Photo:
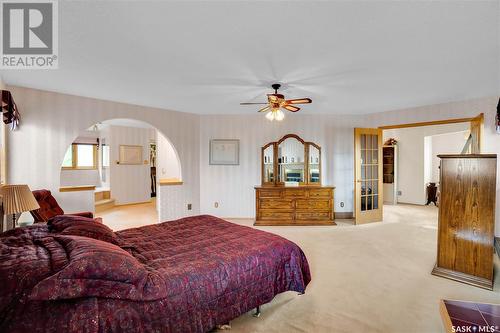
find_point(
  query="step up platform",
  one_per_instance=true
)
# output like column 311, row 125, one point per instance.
column 104, row 204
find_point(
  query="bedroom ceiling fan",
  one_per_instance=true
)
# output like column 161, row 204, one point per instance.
column 276, row 102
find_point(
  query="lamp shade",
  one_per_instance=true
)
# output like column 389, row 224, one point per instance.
column 17, row 199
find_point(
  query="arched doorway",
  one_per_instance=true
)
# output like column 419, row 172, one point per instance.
column 122, row 161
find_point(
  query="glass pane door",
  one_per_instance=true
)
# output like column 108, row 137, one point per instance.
column 368, row 175
column 369, row 172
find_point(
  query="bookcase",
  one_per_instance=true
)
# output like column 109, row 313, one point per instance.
column 389, row 156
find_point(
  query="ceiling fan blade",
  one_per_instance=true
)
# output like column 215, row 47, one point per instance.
column 299, row 101
column 264, row 109
column 253, row 103
column 291, row 108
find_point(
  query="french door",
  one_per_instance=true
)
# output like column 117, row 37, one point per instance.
column 368, row 195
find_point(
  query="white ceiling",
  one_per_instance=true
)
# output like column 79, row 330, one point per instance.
column 350, row 57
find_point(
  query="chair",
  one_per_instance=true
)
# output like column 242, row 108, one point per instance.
column 49, row 207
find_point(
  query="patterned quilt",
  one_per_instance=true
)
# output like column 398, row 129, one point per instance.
column 213, row 271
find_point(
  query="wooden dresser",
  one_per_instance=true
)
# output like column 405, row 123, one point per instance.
column 302, row 205
column 467, row 219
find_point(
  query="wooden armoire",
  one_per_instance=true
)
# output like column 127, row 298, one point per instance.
column 466, row 228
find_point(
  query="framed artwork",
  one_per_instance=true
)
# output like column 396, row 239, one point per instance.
column 130, row 154
column 224, row 152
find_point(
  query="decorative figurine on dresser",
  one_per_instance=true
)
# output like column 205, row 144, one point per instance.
column 291, row 192
column 466, row 227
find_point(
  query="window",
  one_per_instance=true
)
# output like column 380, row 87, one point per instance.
column 80, row 156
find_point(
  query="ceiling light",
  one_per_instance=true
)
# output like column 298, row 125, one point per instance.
column 275, row 114
column 270, row 115
column 279, row 115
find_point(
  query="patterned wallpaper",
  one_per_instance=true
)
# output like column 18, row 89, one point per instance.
column 51, row 121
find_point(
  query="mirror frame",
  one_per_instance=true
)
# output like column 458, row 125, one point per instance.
column 275, row 145
column 309, row 144
column 263, row 165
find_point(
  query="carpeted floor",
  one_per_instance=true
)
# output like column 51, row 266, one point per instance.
column 369, row 278
column 130, row 216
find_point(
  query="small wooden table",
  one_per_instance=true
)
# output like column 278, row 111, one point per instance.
column 461, row 316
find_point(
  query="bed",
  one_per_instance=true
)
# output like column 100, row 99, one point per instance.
column 187, row 275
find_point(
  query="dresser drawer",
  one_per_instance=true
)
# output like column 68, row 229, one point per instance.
column 320, row 193
column 313, row 204
column 294, row 193
column 276, row 215
column 270, row 193
column 313, row 215
column 276, row 204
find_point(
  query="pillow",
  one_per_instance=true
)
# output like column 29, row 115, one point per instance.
column 82, row 226
column 99, row 269
column 59, row 222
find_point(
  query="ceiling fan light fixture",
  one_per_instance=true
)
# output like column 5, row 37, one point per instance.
column 270, row 115
column 275, row 114
column 275, row 103
column 279, row 116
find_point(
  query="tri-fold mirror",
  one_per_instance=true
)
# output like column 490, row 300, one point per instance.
column 291, row 161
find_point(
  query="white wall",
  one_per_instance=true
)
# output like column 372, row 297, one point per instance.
column 80, row 177
column 448, row 143
column 428, row 159
column 51, row 121
column 167, row 162
column 130, row 183
column 104, row 172
column 411, row 158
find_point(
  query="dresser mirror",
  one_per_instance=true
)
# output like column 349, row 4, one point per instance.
column 293, row 161
column 291, row 165
column 291, row 192
column 268, row 164
column 314, row 163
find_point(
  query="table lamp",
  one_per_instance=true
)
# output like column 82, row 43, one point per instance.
column 16, row 200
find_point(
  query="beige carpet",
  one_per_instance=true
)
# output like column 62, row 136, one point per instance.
column 370, row 278
column 130, row 216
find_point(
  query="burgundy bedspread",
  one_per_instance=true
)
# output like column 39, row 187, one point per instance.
column 213, row 270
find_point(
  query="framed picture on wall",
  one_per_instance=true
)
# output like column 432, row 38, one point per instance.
column 224, row 152
column 130, row 154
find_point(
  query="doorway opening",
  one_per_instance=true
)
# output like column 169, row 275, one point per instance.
column 398, row 164
column 410, row 162
column 122, row 160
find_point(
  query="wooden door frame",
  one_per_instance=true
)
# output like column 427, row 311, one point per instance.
column 470, row 120
column 435, row 122
column 475, row 123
